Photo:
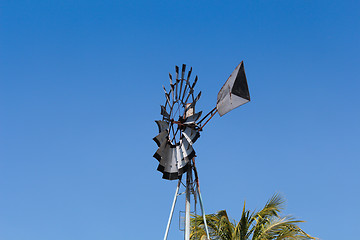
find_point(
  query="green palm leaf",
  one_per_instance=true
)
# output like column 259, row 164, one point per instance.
column 266, row 224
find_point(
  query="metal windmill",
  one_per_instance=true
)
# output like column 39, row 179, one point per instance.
column 180, row 128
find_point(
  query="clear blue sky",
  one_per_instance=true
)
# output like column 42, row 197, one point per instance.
column 80, row 88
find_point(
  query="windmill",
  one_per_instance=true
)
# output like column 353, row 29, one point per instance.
column 180, row 127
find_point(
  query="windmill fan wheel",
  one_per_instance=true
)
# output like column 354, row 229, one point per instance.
column 178, row 129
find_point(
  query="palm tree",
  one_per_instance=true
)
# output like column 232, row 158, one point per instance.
column 265, row 224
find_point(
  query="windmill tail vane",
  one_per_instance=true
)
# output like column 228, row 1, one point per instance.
column 180, row 128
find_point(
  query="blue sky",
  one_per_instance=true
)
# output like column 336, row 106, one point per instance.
column 80, row 88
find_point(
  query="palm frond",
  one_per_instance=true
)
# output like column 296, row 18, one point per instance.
column 242, row 228
column 265, row 224
column 272, row 207
column 276, row 227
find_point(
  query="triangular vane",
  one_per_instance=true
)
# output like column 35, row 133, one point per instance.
column 235, row 91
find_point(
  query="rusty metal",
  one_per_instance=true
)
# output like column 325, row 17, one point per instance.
column 192, row 105
column 191, row 90
column 182, row 79
column 207, row 120
column 186, row 85
column 167, row 96
column 177, row 72
column 207, row 115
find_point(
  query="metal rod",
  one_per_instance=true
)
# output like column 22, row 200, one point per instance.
column 207, row 115
column 187, row 204
column 172, row 209
column 175, row 134
column 202, row 210
column 200, row 199
column 208, row 120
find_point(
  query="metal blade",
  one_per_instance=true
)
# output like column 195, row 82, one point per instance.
column 164, row 112
column 161, row 137
column 167, row 96
column 168, row 165
column 191, row 90
column 159, row 154
column 188, row 77
column 182, row 163
column 176, row 89
column 162, row 125
column 186, row 85
column 191, row 135
column 177, row 81
column 194, row 102
column 183, row 71
column 177, row 72
column 187, row 149
column 172, row 91
column 193, row 118
column 170, row 76
column 195, row 81
column 182, row 79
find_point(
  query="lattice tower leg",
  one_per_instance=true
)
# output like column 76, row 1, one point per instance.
column 187, row 203
column 172, row 209
column 203, row 211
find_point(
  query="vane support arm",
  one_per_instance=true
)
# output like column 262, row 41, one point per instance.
column 209, row 116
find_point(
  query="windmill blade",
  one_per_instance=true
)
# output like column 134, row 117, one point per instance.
column 176, row 89
column 161, row 151
column 191, row 89
column 162, row 125
column 170, row 77
column 182, row 163
column 177, row 72
column 187, row 149
column 168, row 163
column 161, row 137
column 189, row 74
column 194, row 83
column 172, row 91
column 191, row 135
column 177, row 82
column 164, row 112
column 170, row 167
column 187, row 83
column 167, row 96
column 183, row 71
column 193, row 118
column 194, row 102
column 173, row 160
column 171, row 86
column 162, row 155
column 235, row 91
column 182, row 79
